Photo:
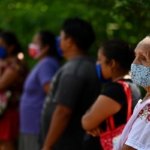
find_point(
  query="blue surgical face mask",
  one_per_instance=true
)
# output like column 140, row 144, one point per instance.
column 59, row 50
column 99, row 73
column 140, row 75
column 3, row 53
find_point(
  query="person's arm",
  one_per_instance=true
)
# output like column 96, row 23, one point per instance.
column 60, row 119
column 95, row 132
column 126, row 147
column 9, row 76
column 46, row 87
column 101, row 110
column 68, row 94
column 45, row 74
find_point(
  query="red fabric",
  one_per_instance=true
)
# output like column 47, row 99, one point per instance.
column 110, row 138
column 107, row 139
column 9, row 125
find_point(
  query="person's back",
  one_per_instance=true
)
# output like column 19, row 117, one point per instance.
column 73, row 89
column 84, row 86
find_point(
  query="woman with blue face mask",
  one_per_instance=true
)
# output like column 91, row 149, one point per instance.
column 115, row 58
column 136, row 135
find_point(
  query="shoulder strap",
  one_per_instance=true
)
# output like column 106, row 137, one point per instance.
column 127, row 90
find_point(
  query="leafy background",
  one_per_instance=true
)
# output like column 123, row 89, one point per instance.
column 125, row 19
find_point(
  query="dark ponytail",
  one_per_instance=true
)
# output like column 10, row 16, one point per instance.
column 48, row 38
column 120, row 51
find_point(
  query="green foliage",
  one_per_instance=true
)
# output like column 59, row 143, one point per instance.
column 126, row 19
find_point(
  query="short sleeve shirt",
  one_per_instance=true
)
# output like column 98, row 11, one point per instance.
column 115, row 91
column 139, row 136
column 33, row 95
column 75, row 86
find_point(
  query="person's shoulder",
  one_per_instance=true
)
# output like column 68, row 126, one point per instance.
column 79, row 66
column 112, row 85
column 88, row 63
column 134, row 88
column 135, row 91
column 48, row 61
column 115, row 91
column 14, row 63
column 117, row 85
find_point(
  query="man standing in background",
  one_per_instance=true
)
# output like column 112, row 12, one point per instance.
column 73, row 89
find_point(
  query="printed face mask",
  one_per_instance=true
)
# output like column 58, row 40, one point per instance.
column 33, row 50
column 140, row 75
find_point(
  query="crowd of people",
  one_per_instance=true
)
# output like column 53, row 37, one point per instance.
column 79, row 103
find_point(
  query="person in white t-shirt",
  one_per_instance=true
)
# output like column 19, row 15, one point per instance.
column 136, row 135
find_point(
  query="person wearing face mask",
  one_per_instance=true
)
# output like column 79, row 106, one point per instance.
column 12, row 76
column 3, row 53
column 115, row 58
column 136, row 135
column 37, row 85
column 75, row 87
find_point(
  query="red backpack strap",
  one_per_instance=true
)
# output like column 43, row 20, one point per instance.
column 127, row 90
column 128, row 93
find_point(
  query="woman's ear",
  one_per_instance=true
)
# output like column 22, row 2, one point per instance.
column 69, row 42
column 114, row 64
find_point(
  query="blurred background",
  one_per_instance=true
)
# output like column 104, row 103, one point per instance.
column 126, row 19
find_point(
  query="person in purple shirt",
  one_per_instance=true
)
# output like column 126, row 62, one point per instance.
column 37, row 85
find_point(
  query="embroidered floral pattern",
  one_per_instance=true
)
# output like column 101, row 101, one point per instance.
column 145, row 113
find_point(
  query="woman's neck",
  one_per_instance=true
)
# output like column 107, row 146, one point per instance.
column 118, row 76
column 43, row 56
column 75, row 54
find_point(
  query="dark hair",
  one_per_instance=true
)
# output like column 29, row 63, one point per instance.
column 48, row 38
column 11, row 40
column 80, row 31
column 119, row 51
